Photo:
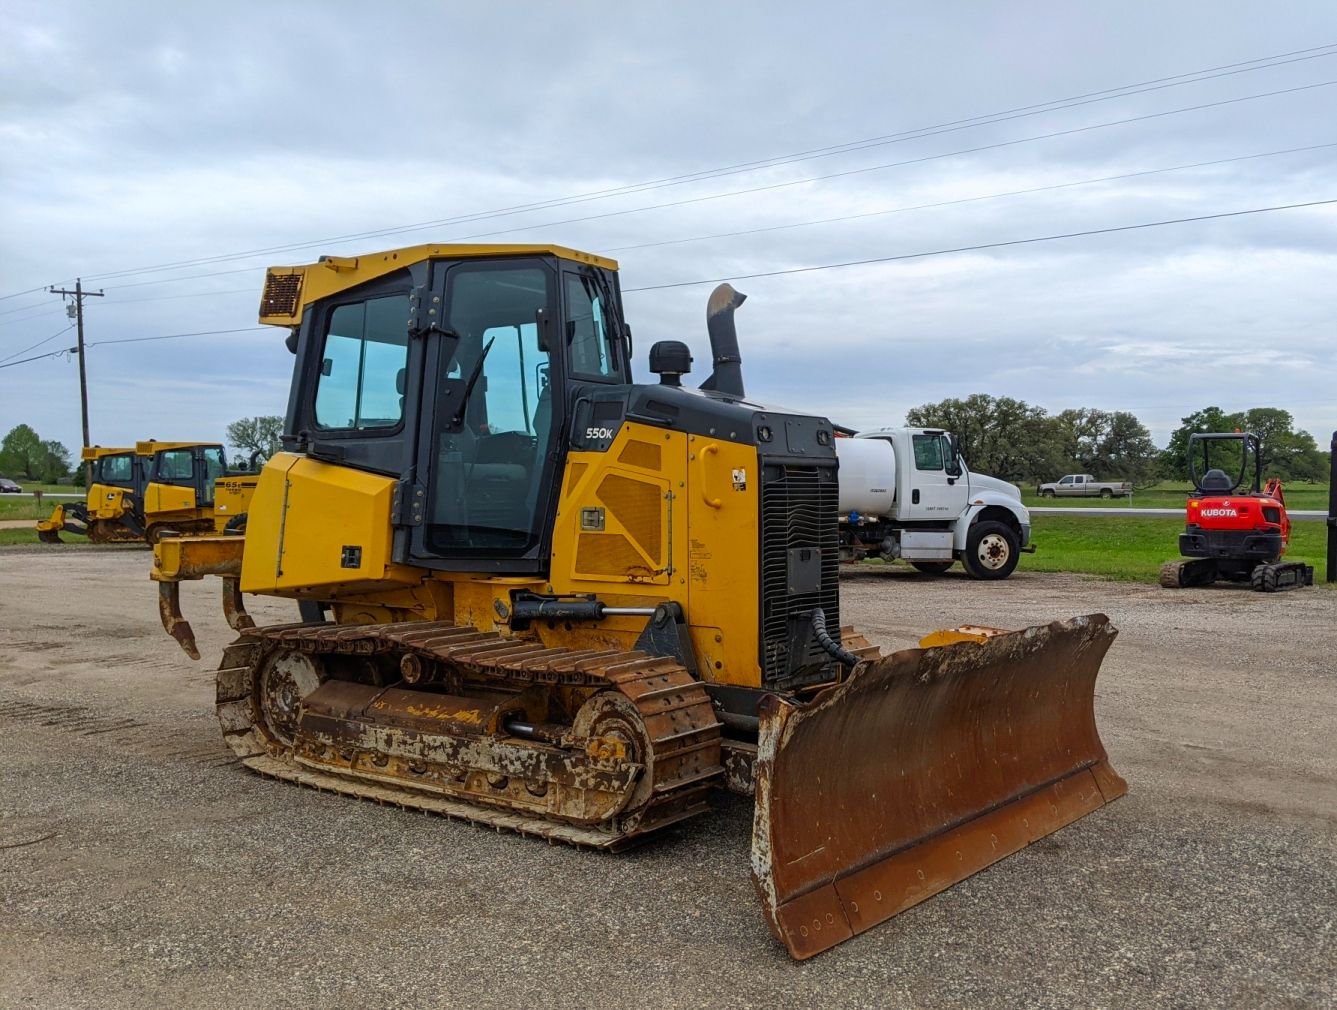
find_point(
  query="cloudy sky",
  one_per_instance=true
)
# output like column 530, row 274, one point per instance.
column 168, row 152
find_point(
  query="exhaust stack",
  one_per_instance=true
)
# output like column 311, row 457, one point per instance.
column 727, row 376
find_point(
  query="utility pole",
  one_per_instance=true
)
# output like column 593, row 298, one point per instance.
column 1332, row 513
column 79, row 295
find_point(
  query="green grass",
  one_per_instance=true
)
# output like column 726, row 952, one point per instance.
column 1132, row 548
column 24, row 506
column 25, row 537
column 11, row 538
column 1171, row 494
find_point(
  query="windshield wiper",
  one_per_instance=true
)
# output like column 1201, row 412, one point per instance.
column 458, row 418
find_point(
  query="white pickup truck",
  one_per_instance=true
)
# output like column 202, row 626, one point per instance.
column 1083, row 485
column 907, row 493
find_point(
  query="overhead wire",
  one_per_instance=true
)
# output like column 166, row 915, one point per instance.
column 33, row 347
column 1109, row 94
column 972, row 199
column 979, row 247
column 770, row 187
column 137, row 340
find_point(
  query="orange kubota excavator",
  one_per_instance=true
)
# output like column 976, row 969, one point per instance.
column 542, row 596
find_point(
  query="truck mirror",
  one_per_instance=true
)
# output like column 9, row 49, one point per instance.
column 954, row 462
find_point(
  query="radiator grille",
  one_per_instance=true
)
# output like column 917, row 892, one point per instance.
column 799, row 506
column 281, row 295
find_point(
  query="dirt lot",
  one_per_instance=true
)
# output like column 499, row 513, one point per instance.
column 142, row 868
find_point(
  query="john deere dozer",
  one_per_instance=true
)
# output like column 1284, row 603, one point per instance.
column 544, row 597
column 156, row 488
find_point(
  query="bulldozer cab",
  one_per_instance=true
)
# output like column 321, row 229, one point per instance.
column 1219, row 463
column 190, row 465
column 459, row 374
column 120, row 468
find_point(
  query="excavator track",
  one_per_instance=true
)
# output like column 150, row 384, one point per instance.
column 454, row 754
column 1188, row 573
column 1280, row 576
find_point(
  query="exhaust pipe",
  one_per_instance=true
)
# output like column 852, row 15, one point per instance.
column 727, row 376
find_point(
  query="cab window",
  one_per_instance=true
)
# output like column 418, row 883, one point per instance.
column 175, row 464
column 361, row 383
column 928, row 452
column 1066, row 480
column 116, row 469
column 587, row 330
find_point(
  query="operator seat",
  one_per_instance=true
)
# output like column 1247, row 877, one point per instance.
column 1216, row 481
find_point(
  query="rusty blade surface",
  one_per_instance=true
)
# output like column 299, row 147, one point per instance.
column 921, row 769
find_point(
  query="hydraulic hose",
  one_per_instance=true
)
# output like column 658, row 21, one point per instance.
column 828, row 643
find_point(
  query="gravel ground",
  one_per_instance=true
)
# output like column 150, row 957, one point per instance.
column 142, row 868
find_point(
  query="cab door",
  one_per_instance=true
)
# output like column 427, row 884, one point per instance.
column 936, row 491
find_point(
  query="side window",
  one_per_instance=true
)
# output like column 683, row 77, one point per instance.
column 361, row 382
column 175, row 464
column 586, row 328
column 1066, row 480
column 116, row 469
column 928, row 452
column 214, row 464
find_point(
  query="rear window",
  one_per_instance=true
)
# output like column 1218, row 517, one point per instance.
column 119, row 469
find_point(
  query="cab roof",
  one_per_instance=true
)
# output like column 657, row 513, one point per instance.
column 288, row 290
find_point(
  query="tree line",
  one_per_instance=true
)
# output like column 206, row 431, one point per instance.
column 1025, row 444
column 25, row 455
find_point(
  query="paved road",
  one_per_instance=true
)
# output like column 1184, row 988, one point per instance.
column 141, row 868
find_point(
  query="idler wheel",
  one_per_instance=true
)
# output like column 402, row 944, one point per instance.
column 285, row 678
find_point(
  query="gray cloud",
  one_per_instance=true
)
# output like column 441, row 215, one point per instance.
column 133, row 135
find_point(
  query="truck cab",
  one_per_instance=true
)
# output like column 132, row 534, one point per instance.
column 907, row 493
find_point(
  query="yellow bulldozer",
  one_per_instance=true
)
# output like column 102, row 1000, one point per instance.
column 152, row 490
column 544, row 597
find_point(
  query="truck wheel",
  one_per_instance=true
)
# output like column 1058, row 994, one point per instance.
column 992, row 550
column 1106, row 492
column 931, row 567
column 1046, row 494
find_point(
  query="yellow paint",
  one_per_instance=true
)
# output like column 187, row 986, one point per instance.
column 721, row 560
column 167, row 498
column 334, row 274
column 303, row 514
column 232, row 497
column 965, row 633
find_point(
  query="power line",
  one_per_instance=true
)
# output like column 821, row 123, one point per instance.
column 18, row 294
column 970, row 199
column 983, row 246
column 32, row 347
column 138, row 340
column 770, row 187
column 177, row 336
column 810, row 269
column 790, row 183
column 1246, row 66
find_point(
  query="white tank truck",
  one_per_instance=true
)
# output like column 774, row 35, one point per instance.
column 907, row 493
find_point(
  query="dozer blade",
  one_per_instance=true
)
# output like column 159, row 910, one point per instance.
column 922, row 768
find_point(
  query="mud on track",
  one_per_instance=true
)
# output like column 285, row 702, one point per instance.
column 142, row 868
